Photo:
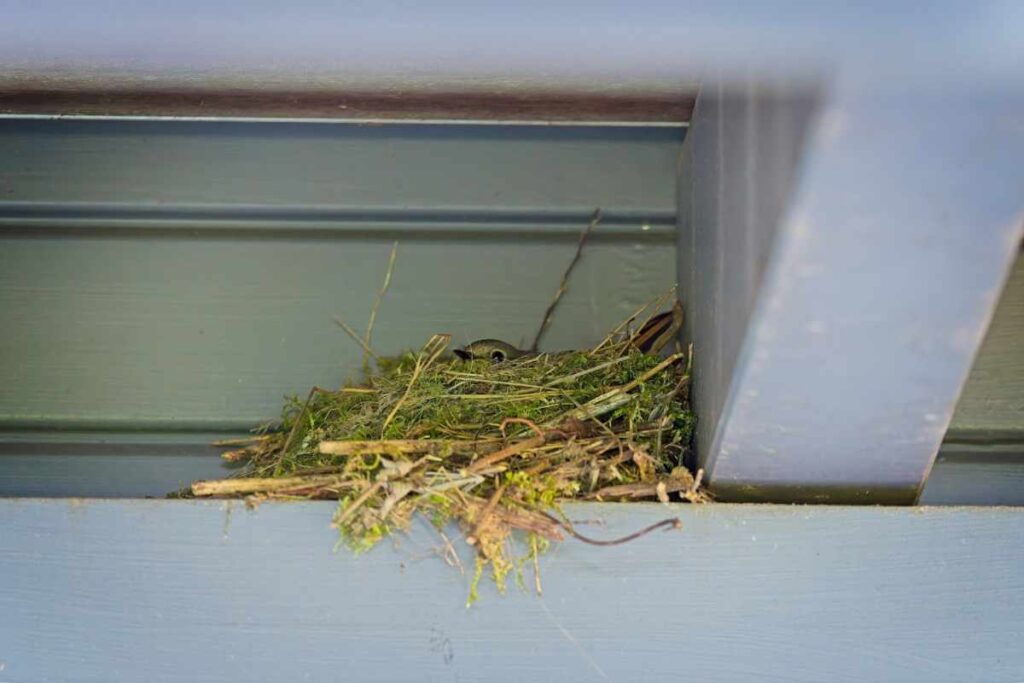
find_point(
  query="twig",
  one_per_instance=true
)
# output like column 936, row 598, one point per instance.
column 530, row 521
column 564, row 284
column 242, row 441
column 617, row 397
column 376, row 305
column 473, row 538
column 639, row 490
column 355, row 336
column 505, row 453
column 520, row 420
column 592, row 410
column 471, row 481
column 674, row 523
column 501, row 397
column 481, row 379
column 233, row 487
column 450, row 555
column 408, row 447
column 584, row 373
column 626, row 388
column 687, row 486
column 694, row 494
column 238, row 455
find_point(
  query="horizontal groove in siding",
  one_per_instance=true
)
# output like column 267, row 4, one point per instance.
column 43, row 428
column 88, row 218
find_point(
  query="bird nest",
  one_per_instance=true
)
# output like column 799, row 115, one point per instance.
column 492, row 446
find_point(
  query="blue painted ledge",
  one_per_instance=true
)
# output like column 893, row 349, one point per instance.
column 102, row 590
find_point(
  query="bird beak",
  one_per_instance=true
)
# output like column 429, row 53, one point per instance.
column 463, row 354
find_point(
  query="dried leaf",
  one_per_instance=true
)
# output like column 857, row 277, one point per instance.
column 644, row 462
column 662, row 491
column 396, row 492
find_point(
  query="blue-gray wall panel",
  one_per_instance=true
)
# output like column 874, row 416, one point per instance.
column 976, row 474
column 214, row 333
column 328, row 166
column 174, row 275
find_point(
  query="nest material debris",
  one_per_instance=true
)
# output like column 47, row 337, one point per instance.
column 491, row 446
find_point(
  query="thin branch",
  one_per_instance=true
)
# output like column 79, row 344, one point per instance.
column 671, row 360
column 564, row 284
column 583, row 373
column 396, row 447
column 473, row 537
column 673, row 523
column 505, row 454
column 234, row 487
column 614, row 398
column 245, row 441
column 450, row 555
column 595, row 409
column 520, row 420
column 355, row 336
column 376, row 304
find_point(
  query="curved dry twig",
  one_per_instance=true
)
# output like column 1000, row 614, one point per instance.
column 673, row 522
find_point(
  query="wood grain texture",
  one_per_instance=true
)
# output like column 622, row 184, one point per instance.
column 157, row 591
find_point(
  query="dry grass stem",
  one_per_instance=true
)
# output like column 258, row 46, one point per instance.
column 376, row 305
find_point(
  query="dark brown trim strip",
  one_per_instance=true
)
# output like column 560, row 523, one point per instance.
column 483, row 106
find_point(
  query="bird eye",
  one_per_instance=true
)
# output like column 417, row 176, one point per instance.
column 497, row 355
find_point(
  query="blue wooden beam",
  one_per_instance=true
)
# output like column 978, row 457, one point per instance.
column 210, row 591
column 840, row 284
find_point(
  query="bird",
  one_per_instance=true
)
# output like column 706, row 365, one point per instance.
column 491, row 349
column 652, row 337
column 660, row 330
